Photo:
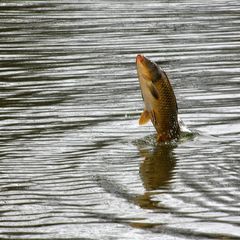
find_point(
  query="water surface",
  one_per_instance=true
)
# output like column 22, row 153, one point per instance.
column 74, row 162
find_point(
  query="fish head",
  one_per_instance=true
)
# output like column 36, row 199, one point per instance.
column 147, row 70
column 151, row 78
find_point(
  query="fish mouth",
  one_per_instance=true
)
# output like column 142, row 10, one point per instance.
column 144, row 62
column 140, row 58
column 146, row 68
column 142, row 67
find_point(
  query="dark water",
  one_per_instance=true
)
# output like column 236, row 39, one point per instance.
column 74, row 162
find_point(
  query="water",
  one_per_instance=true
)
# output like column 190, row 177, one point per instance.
column 74, row 162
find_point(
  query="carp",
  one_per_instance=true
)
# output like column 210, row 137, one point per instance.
column 159, row 100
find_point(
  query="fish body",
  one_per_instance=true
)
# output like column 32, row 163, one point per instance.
column 159, row 100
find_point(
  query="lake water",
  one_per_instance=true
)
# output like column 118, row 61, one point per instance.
column 74, row 163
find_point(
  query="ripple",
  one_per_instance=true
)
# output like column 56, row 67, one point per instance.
column 73, row 160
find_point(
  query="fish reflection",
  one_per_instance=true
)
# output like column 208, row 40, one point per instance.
column 156, row 169
column 156, row 172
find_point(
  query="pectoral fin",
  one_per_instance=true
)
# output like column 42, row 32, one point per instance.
column 145, row 117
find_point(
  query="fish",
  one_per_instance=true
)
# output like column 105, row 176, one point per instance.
column 160, row 104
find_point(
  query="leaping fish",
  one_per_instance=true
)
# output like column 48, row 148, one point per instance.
column 159, row 100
